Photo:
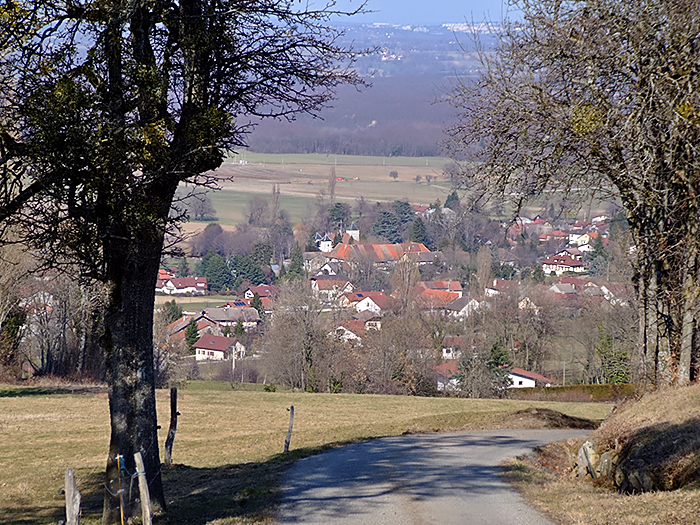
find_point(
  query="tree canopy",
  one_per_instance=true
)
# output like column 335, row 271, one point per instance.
column 106, row 107
column 601, row 98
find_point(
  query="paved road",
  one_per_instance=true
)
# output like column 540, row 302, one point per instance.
column 414, row 480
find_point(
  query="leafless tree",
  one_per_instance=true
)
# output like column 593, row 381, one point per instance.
column 601, row 97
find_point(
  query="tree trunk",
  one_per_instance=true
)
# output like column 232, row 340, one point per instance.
column 133, row 269
column 688, row 320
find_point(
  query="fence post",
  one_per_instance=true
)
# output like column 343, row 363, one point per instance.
column 72, row 499
column 143, row 490
column 173, row 428
column 291, row 424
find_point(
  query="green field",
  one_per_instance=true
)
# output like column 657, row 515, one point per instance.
column 338, row 160
column 228, row 444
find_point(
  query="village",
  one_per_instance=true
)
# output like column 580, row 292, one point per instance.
column 455, row 311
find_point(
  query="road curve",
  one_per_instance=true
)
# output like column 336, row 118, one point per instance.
column 414, row 480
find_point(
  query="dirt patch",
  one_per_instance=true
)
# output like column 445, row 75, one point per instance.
column 548, row 418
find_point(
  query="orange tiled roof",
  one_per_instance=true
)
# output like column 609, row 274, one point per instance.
column 375, row 252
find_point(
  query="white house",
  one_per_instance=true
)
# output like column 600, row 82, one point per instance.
column 560, row 264
column 182, row 285
column 463, row 307
column 218, row 348
column 524, row 379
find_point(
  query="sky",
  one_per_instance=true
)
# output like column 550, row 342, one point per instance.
column 428, row 12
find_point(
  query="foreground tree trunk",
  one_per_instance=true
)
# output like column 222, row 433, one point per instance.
column 128, row 342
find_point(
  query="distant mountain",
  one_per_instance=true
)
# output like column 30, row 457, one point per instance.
column 401, row 113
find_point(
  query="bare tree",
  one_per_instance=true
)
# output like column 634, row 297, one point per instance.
column 601, row 96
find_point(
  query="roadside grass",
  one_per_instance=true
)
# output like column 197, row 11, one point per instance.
column 228, row 445
column 658, row 420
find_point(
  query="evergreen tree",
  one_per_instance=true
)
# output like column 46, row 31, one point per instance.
column 183, row 268
column 261, row 254
column 191, row 335
column 239, row 330
column 245, row 269
column 256, row 303
column 419, row 232
column 339, row 215
column 219, row 277
column 452, row 201
column 387, row 226
column 200, row 269
column 170, row 312
column 227, row 331
column 404, row 211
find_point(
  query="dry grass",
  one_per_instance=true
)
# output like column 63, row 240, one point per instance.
column 228, row 445
column 659, row 420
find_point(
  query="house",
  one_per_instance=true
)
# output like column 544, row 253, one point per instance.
column 351, row 331
column 563, row 289
column 375, row 302
column 554, row 235
column 615, row 293
column 267, row 304
column 452, row 347
column 164, row 274
column 574, row 253
column 524, row 379
column 560, row 264
column 500, row 286
column 247, row 316
column 263, row 290
column 177, row 329
column 354, row 232
column 325, row 244
column 436, row 299
column 381, row 255
column 335, row 268
column 218, row 348
column 463, row 307
column 445, row 376
column 445, row 286
column 329, row 287
column 182, row 285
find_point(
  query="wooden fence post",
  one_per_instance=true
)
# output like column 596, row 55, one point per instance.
column 291, row 424
column 72, row 499
column 173, row 428
column 143, row 490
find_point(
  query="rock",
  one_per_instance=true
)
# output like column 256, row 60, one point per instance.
column 588, row 460
column 607, row 463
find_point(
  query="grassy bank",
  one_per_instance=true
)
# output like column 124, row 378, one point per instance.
column 228, row 444
column 658, row 421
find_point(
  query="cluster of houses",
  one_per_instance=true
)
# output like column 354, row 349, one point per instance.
column 336, row 260
column 576, row 239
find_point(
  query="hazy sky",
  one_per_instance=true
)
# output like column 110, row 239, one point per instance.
column 428, row 11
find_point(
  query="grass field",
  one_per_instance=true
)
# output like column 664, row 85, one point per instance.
column 227, row 448
column 338, row 160
column 301, row 178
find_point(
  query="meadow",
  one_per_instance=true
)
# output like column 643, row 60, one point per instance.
column 228, row 449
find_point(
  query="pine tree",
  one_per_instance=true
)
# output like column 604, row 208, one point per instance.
column 191, row 335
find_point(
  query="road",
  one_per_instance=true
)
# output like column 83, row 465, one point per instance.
column 414, row 480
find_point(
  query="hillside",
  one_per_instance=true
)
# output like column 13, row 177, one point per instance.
column 655, row 478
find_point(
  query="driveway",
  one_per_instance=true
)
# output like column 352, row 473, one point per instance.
column 413, row 480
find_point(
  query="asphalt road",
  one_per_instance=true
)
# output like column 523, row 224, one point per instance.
column 413, row 480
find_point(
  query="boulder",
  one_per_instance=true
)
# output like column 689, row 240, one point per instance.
column 588, row 460
column 608, row 460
